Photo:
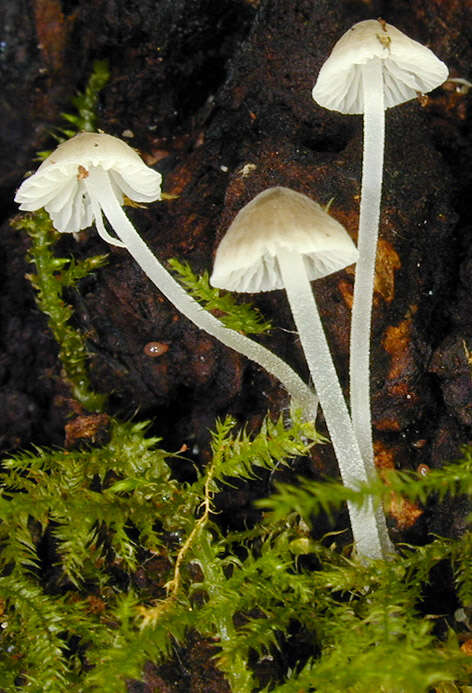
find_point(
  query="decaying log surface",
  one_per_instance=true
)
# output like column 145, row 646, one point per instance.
column 217, row 96
column 219, row 100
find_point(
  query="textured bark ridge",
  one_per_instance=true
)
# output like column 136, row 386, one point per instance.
column 218, row 97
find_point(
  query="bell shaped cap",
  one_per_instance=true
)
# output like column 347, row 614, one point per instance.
column 276, row 220
column 58, row 184
column 408, row 67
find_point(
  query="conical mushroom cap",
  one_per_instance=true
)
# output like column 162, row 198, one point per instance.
column 409, row 68
column 279, row 219
column 58, row 185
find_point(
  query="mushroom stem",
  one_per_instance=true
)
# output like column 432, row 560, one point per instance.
column 368, row 524
column 371, row 191
column 103, row 198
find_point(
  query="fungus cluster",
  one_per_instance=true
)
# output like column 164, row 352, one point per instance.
column 87, row 177
column 281, row 239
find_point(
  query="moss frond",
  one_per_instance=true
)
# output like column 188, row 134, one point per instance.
column 86, row 104
column 312, row 497
column 107, row 511
column 241, row 455
column 108, row 562
column 89, row 500
column 52, row 275
column 242, row 317
column 32, row 642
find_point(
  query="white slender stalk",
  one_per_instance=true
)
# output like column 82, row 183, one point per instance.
column 368, row 526
column 103, row 198
column 371, row 191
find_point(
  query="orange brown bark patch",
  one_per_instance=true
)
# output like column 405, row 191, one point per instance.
column 388, row 261
column 51, row 30
column 396, row 342
column 90, row 428
column 346, row 290
column 387, row 424
column 403, row 511
column 384, row 458
column 466, row 647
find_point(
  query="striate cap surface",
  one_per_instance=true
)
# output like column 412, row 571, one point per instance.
column 408, row 67
column 279, row 219
column 58, row 185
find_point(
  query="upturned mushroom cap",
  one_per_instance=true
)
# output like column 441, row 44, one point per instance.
column 279, row 219
column 409, row 68
column 58, row 184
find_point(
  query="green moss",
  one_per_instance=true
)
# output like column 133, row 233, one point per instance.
column 108, row 562
column 110, row 510
column 242, row 317
column 52, row 275
column 86, row 102
column 86, row 105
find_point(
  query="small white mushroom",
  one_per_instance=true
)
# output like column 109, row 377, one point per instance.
column 283, row 239
column 372, row 67
column 89, row 175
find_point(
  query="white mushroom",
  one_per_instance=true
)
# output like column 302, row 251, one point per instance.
column 283, row 239
column 90, row 174
column 372, row 67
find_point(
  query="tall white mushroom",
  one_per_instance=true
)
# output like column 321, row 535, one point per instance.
column 89, row 175
column 281, row 240
column 372, row 67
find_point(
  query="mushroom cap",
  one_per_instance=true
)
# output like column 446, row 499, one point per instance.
column 58, row 184
column 409, row 68
column 279, row 219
